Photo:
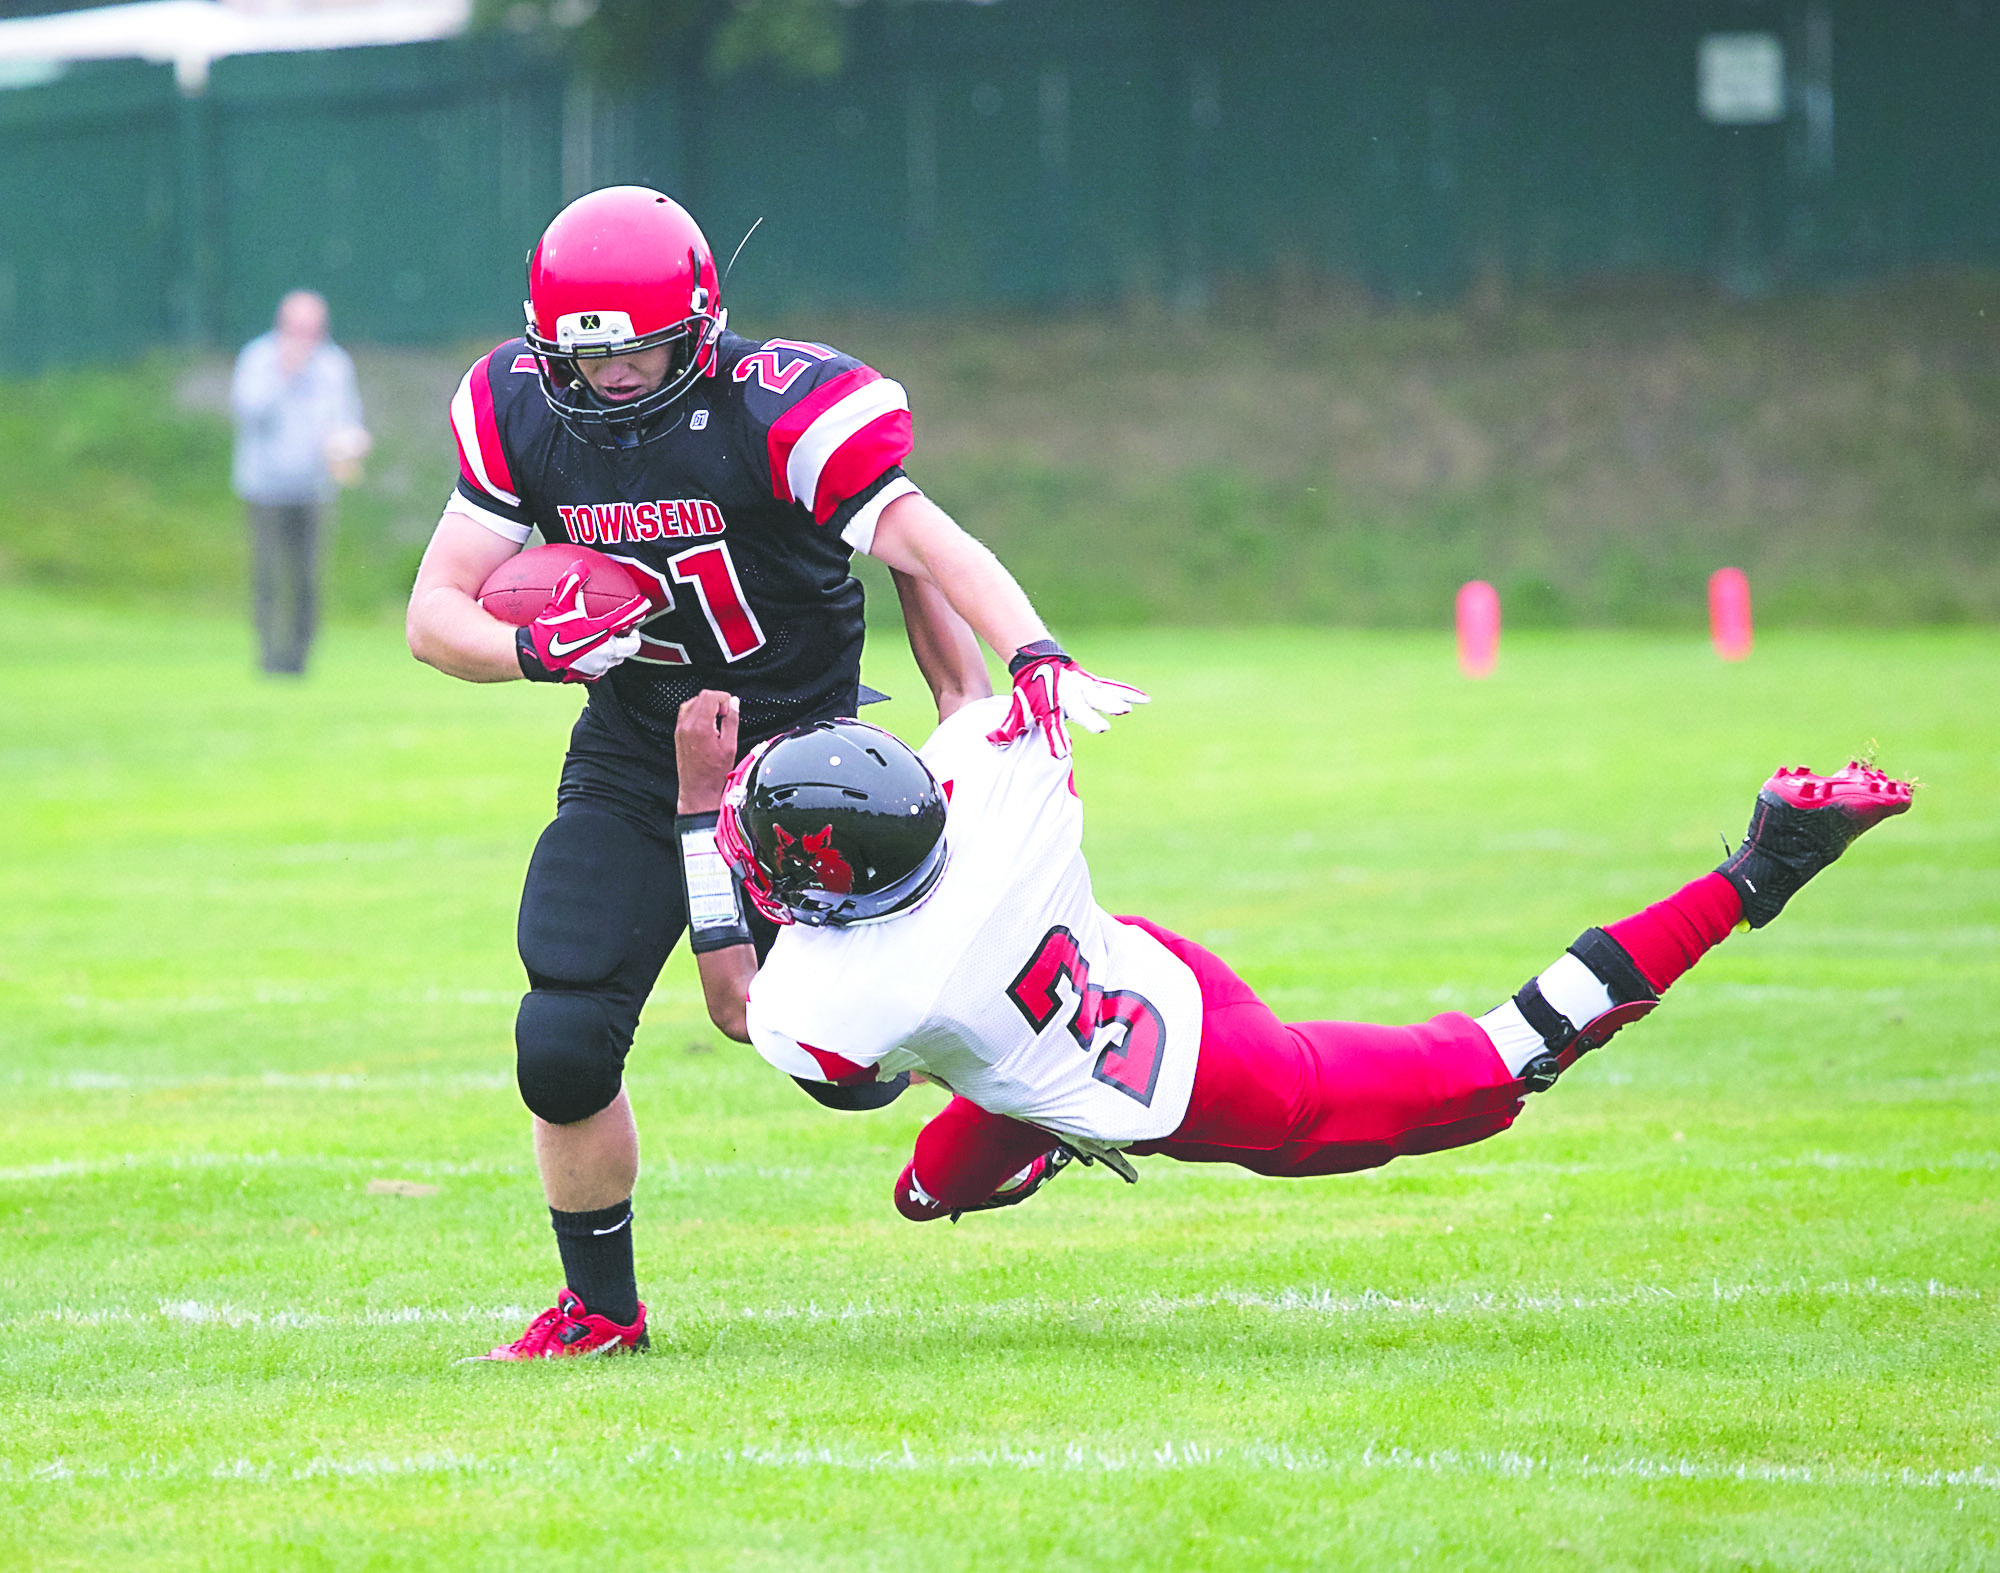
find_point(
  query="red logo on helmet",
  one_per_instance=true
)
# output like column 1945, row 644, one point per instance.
column 830, row 871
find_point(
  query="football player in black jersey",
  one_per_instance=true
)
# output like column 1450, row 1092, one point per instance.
column 733, row 478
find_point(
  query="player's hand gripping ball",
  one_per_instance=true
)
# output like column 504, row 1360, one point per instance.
column 1050, row 690
column 575, row 609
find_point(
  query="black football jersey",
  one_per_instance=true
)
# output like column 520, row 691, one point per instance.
column 739, row 522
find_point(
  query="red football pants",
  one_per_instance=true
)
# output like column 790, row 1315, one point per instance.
column 1318, row 1097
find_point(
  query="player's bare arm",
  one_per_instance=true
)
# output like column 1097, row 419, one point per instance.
column 917, row 537
column 946, row 649
column 568, row 642
column 446, row 626
column 920, row 539
column 705, row 749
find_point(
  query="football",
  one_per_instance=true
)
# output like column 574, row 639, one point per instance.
column 518, row 591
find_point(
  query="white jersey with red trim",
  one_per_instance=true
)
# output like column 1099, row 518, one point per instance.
column 739, row 520
column 1009, row 983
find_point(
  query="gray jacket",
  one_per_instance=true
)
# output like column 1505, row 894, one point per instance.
column 282, row 423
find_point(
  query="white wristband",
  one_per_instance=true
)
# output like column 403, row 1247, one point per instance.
column 715, row 909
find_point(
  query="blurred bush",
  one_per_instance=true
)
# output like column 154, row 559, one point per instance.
column 112, row 491
column 117, row 482
column 1311, row 460
column 1294, row 457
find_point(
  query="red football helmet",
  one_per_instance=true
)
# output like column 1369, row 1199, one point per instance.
column 620, row 270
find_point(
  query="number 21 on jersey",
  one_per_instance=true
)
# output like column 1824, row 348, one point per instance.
column 711, row 574
column 777, row 365
column 1132, row 1064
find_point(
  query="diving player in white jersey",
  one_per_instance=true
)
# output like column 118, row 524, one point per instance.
column 1004, row 980
column 938, row 917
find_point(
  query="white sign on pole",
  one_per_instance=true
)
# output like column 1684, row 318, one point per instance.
column 1741, row 79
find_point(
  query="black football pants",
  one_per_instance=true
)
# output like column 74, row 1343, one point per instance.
column 602, row 907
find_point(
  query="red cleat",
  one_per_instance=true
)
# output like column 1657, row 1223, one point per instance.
column 1801, row 823
column 566, row 1328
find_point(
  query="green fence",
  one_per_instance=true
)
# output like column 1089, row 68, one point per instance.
column 89, row 249
column 1022, row 153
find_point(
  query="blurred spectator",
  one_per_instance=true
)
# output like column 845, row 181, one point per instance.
column 298, row 435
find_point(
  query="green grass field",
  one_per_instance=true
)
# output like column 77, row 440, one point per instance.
column 1727, row 1298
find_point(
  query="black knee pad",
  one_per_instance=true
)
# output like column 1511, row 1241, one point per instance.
column 567, row 1058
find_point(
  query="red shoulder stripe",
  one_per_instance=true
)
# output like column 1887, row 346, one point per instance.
column 489, row 429
column 876, row 447
column 793, row 424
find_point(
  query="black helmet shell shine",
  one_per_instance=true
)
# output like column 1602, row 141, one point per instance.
column 840, row 821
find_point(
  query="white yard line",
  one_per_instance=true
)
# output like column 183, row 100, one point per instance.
column 1335, row 1303
column 268, row 994
column 670, row 1170
column 307, row 1081
column 1325, row 1302
column 1977, row 1159
column 661, row 1170
column 125, row 1163
column 200, row 1313
column 1172, row 1456
column 1322, row 1303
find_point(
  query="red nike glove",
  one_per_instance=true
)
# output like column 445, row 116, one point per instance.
column 1050, row 688
column 566, row 644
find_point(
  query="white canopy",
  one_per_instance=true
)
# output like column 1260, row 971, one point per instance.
column 191, row 33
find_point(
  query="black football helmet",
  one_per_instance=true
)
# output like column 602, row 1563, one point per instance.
column 833, row 823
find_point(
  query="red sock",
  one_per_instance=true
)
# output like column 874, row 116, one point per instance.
column 1672, row 935
column 963, row 1156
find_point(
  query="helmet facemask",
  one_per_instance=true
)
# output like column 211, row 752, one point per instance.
column 736, row 847
column 602, row 335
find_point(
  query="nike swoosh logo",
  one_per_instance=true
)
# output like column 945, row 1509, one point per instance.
column 562, row 647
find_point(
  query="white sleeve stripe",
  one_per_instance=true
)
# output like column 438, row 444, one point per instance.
column 466, row 426
column 859, row 531
column 499, row 524
column 821, row 440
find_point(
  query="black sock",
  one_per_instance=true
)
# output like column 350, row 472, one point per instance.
column 596, row 1252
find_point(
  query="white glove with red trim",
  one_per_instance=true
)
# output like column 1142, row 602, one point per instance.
column 568, row 644
column 1050, row 689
